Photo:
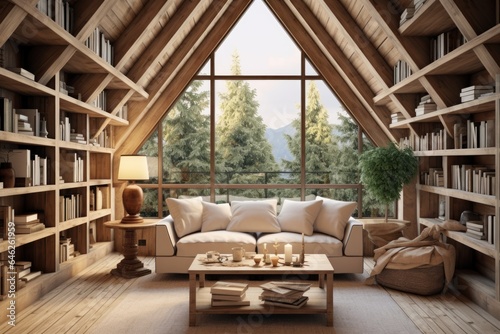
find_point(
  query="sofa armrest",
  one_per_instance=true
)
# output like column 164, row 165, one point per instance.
column 353, row 238
column 166, row 238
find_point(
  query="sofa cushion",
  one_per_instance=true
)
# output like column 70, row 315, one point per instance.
column 187, row 214
column 317, row 243
column 254, row 216
column 215, row 216
column 221, row 241
column 299, row 216
column 333, row 217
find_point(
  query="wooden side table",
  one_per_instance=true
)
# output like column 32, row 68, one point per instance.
column 130, row 266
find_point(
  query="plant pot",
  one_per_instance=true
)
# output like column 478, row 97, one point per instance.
column 381, row 233
column 7, row 175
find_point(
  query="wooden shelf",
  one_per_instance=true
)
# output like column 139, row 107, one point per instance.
column 23, row 239
column 436, row 21
column 315, row 305
column 472, row 107
column 48, row 33
column 479, row 245
column 462, row 60
column 457, row 152
column 460, row 194
column 72, row 223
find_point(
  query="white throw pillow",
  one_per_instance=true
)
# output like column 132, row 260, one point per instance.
column 299, row 216
column 333, row 217
column 215, row 216
column 254, row 216
column 187, row 214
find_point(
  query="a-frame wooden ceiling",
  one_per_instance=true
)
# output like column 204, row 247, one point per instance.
column 161, row 45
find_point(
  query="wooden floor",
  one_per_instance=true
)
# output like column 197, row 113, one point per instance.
column 76, row 305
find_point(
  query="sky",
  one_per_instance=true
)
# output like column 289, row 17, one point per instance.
column 265, row 47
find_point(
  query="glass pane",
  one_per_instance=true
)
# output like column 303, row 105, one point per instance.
column 310, row 70
column 186, row 137
column 150, row 150
column 150, row 204
column 324, row 145
column 263, row 47
column 253, row 119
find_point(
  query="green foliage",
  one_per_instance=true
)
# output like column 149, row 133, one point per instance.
column 385, row 170
column 241, row 145
column 319, row 141
column 186, row 138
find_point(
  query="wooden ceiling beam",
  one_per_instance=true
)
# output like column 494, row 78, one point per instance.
column 90, row 14
column 49, row 60
column 332, row 63
column 155, row 52
column 411, row 49
column 377, row 65
column 178, row 72
column 10, row 18
column 132, row 36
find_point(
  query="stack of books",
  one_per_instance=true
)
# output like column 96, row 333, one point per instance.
column 77, row 138
column 229, row 294
column 24, row 273
column 407, row 14
column 23, row 125
column 473, row 92
column 397, row 117
column 285, row 294
column 425, row 106
column 66, row 249
column 475, row 229
column 27, row 223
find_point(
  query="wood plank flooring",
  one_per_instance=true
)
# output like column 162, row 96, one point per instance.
column 76, row 305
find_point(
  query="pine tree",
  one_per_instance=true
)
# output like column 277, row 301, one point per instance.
column 186, row 141
column 241, row 145
column 319, row 142
column 346, row 170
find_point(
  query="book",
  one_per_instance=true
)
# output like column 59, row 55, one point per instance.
column 25, row 217
column 228, row 288
column 475, row 225
column 244, row 302
column 297, row 304
column 298, row 286
column 21, row 71
column 228, row 297
column 30, row 229
column 31, row 276
column 23, row 264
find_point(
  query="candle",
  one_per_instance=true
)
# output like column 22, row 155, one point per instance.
column 288, row 253
column 265, row 246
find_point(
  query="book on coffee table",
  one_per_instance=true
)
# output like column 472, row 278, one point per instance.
column 228, row 288
column 295, row 304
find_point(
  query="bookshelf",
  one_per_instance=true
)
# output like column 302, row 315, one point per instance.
column 69, row 76
column 445, row 78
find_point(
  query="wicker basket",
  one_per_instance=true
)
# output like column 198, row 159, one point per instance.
column 424, row 281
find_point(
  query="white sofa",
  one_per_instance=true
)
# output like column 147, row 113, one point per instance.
column 177, row 242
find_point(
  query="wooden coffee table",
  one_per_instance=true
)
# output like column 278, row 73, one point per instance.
column 320, row 299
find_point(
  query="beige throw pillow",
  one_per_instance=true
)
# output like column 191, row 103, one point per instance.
column 254, row 216
column 215, row 216
column 299, row 217
column 187, row 214
column 333, row 217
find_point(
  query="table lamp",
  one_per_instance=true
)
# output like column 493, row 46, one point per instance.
column 133, row 168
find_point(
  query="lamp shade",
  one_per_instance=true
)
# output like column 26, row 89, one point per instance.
column 133, row 167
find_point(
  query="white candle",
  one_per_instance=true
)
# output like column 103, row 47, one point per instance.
column 288, row 253
column 265, row 246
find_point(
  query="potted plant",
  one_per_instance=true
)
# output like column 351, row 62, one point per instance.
column 385, row 170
